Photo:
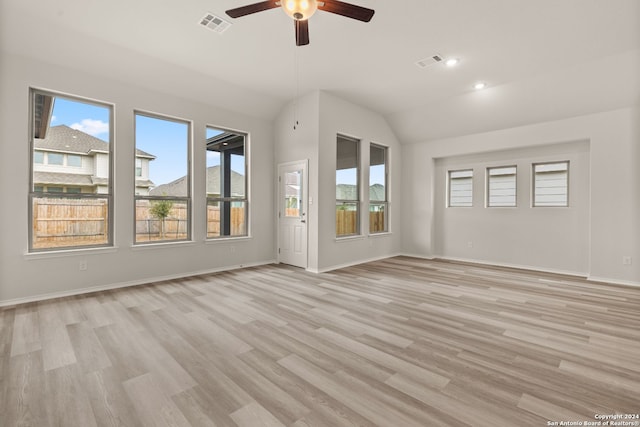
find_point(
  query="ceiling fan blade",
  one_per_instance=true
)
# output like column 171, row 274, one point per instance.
column 347, row 9
column 302, row 32
column 252, row 8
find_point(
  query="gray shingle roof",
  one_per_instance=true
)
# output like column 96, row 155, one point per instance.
column 178, row 188
column 61, row 178
column 349, row 192
column 63, row 138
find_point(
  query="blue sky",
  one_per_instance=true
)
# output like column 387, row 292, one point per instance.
column 168, row 141
column 89, row 118
column 165, row 139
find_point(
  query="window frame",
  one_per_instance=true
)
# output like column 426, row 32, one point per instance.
column 33, row 192
column 188, row 199
column 350, row 202
column 41, row 157
column 533, row 183
column 385, row 203
column 73, row 156
column 138, row 167
column 488, row 186
column 220, row 199
column 55, row 154
column 450, row 187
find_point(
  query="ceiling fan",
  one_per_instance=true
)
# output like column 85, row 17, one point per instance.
column 301, row 11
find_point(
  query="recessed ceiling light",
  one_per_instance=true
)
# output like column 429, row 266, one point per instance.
column 452, row 62
column 479, row 85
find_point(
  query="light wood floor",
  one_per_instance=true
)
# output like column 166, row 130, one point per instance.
column 401, row 342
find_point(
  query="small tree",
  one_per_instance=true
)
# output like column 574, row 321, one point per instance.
column 161, row 210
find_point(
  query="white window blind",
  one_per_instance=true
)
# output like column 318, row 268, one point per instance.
column 461, row 188
column 501, row 187
column 551, row 184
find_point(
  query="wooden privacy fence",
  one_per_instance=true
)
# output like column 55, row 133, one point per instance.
column 376, row 221
column 149, row 227
column 66, row 222
column 238, row 222
column 347, row 221
column 59, row 222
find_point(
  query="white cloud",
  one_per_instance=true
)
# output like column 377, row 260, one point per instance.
column 92, row 127
column 53, row 119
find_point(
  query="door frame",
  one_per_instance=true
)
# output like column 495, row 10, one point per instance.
column 305, row 204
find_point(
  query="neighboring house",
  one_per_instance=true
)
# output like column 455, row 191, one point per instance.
column 178, row 188
column 71, row 161
column 350, row 192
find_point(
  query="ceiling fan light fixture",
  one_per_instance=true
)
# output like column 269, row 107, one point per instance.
column 299, row 9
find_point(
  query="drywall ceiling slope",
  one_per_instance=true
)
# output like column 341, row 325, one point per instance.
column 513, row 45
column 71, row 49
column 600, row 85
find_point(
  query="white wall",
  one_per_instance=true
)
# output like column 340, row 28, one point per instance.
column 297, row 144
column 341, row 117
column 551, row 238
column 27, row 276
column 614, row 200
column 322, row 117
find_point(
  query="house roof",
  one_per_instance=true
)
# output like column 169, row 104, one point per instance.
column 350, row 192
column 65, row 139
column 56, row 178
column 178, row 188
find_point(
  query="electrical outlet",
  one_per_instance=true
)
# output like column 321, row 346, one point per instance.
column 83, row 265
column 626, row 260
column 232, row 248
column 469, row 244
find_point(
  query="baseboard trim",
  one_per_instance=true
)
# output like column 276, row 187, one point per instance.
column 517, row 266
column 420, row 256
column 585, row 276
column 614, row 281
column 82, row 291
column 350, row 264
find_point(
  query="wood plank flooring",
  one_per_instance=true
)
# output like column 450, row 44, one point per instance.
column 401, row 342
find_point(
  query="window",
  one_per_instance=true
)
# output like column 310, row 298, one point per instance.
column 138, row 167
column 551, row 184
column 55, row 159
column 38, row 157
column 347, row 187
column 378, row 202
column 461, row 188
column 501, row 187
column 74, row 160
column 69, row 207
column 163, row 213
column 227, row 202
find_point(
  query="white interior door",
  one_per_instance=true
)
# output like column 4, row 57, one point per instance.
column 292, row 213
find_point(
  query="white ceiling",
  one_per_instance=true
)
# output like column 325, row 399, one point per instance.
column 543, row 60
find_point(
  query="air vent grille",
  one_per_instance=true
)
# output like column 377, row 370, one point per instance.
column 214, row 23
column 428, row 62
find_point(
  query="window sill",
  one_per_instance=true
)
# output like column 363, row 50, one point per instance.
column 61, row 253
column 215, row 240
column 349, row 238
column 160, row 245
column 381, row 234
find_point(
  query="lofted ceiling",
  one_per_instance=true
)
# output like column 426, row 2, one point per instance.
column 542, row 60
